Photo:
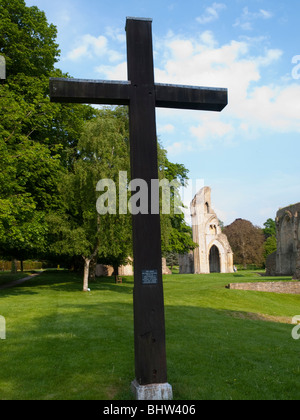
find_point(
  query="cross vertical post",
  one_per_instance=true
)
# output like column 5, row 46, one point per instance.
column 149, row 322
column 142, row 95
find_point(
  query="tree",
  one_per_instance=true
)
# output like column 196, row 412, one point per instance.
column 177, row 236
column 40, row 152
column 23, row 230
column 172, row 259
column 29, row 46
column 270, row 244
column 246, row 242
column 103, row 151
column 180, row 238
column 80, row 230
column 27, row 26
column 270, row 228
column 37, row 138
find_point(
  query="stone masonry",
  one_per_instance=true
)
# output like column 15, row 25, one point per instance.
column 290, row 287
column 288, row 244
column 214, row 254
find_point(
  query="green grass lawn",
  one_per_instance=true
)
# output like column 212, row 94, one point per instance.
column 7, row 277
column 62, row 343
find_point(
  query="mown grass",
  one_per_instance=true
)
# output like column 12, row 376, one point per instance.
column 7, row 277
column 62, row 343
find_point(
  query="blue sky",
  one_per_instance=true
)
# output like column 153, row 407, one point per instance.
column 249, row 153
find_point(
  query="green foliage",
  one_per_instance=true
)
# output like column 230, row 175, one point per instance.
column 270, row 228
column 22, row 228
column 38, row 139
column 270, row 244
column 53, row 155
column 180, row 237
column 102, row 153
column 176, row 234
column 27, row 41
column 28, row 189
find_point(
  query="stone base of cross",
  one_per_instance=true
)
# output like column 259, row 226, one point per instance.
column 142, row 95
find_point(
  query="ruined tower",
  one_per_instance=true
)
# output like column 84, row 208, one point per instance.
column 214, row 254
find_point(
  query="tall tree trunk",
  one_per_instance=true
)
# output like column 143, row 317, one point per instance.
column 116, row 269
column 14, row 266
column 86, row 274
column 87, row 260
column 92, row 273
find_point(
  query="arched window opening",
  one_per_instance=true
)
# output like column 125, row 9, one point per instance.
column 214, row 260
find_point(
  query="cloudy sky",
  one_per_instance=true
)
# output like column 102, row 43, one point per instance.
column 248, row 154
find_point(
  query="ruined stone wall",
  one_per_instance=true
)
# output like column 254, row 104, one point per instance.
column 288, row 240
column 186, row 263
column 292, row 287
column 125, row 270
column 213, row 253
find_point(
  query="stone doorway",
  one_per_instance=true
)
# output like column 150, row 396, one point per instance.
column 214, row 260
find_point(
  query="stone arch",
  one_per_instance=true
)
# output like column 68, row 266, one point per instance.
column 287, row 234
column 226, row 256
column 211, row 226
column 214, row 260
column 206, row 233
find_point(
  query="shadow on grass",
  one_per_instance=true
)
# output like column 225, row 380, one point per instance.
column 86, row 352
column 67, row 281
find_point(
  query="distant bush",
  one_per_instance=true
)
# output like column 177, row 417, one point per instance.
column 27, row 265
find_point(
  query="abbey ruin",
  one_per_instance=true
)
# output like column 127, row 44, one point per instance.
column 286, row 260
column 214, row 254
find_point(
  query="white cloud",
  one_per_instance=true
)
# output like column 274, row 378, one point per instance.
column 207, row 39
column 245, row 22
column 116, row 34
column 90, row 46
column 118, row 72
column 181, row 48
column 176, row 148
column 168, row 128
column 211, row 13
column 265, row 14
column 64, row 16
column 269, row 57
column 210, row 129
column 254, row 103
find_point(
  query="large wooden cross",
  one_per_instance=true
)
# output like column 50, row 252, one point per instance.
column 142, row 95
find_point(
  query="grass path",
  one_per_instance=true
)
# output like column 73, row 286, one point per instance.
column 12, row 282
column 221, row 344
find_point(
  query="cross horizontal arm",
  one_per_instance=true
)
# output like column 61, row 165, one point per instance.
column 118, row 93
column 189, row 97
column 89, row 91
